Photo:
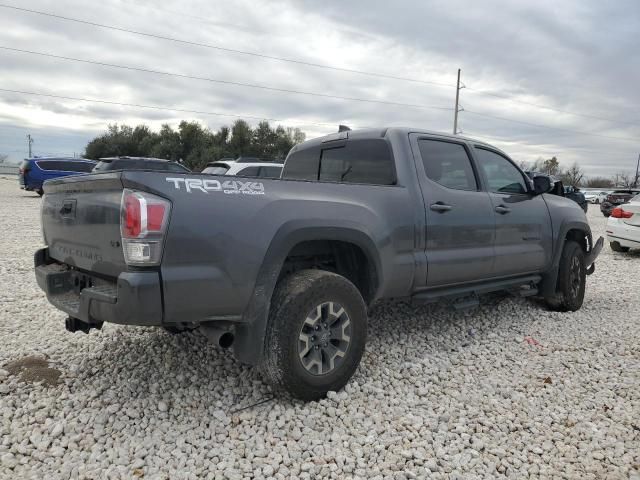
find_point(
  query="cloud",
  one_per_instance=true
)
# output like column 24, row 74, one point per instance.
column 580, row 56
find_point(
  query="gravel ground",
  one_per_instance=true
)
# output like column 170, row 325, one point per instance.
column 508, row 389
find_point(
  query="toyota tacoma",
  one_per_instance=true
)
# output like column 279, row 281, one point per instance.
column 283, row 271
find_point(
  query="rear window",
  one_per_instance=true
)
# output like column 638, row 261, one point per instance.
column 102, row 165
column 358, row 161
column 302, row 165
column 248, row 172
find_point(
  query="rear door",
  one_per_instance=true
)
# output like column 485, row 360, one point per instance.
column 460, row 223
column 523, row 242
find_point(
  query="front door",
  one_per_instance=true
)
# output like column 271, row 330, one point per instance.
column 460, row 222
column 523, row 242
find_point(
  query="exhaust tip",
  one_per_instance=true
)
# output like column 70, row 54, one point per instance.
column 226, row 340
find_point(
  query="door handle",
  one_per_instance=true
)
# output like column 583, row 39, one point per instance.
column 440, row 207
column 502, row 210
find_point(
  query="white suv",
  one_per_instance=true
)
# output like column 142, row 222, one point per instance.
column 245, row 167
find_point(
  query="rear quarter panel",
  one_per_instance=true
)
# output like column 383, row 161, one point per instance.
column 218, row 240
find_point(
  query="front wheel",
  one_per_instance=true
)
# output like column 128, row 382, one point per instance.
column 572, row 279
column 316, row 334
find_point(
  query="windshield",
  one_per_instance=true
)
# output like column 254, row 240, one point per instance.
column 102, row 165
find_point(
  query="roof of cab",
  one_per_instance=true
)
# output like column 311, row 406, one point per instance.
column 368, row 133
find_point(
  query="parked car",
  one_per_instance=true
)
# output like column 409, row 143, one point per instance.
column 617, row 197
column 577, row 196
column 623, row 226
column 245, row 168
column 33, row 172
column 139, row 163
column 595, row 196
column 283, row 271
column 602, row 196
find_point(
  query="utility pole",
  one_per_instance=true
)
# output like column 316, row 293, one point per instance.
column 30, row 142
column 458, row 108
column 635, row 179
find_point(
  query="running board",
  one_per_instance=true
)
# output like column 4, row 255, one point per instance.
column 467, row 294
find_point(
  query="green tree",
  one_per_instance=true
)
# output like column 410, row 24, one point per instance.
column 195, row 144
column 168, row 145
column 241, row 139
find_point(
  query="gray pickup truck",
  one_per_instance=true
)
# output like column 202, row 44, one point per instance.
column 282, row 271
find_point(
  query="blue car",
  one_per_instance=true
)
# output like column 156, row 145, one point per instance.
column 34, row 171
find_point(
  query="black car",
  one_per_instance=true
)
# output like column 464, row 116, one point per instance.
column 617, row 197
column 558, row 188
column 577, row 196
column 139, row 163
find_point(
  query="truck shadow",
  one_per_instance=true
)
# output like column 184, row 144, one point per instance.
column 185, row 373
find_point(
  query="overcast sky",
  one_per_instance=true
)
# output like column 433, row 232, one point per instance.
column 578, row 57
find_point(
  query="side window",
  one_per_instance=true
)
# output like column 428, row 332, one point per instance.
column 502, row 175
column 46, row 165
column 248, row 172
column 84, row 167
column 359, row 161
column 270, row 172
column 302, row 165
column 448, row 164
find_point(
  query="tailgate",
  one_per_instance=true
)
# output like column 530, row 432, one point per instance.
column 81, row 222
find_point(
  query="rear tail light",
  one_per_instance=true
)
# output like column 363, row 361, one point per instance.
column 618, row 212
column 143, row 223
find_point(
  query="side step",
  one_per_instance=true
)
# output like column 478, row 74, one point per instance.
column 466, row 296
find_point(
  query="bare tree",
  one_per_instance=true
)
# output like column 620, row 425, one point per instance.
column 551, row 166
column 623, row 179
column 3, row 157
column 573, row 175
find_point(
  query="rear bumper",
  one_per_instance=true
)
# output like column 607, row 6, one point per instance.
column 626, row 235
column 134, row 298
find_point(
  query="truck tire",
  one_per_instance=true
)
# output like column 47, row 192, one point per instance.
column 316, row 334
column 572, row 279
column 616, row 247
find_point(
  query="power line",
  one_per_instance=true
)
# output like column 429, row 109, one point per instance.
column 226, row 49
column 510, row 98
column 200, row 112
column 302, row 62
column 155, row 107
column 577, row 132
column 226, row 82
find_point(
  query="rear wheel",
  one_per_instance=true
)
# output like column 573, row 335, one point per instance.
column 572, row 279
column 616, row 247
column 316, row 334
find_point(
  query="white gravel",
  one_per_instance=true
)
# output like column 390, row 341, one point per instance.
column 509, row 389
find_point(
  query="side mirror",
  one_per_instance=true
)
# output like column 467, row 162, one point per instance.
column 541, row 184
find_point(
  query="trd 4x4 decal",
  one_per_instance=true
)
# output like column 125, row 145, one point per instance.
column 229, row 187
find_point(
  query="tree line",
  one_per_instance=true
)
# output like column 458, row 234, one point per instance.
column 574, row 174
column 194, row 144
